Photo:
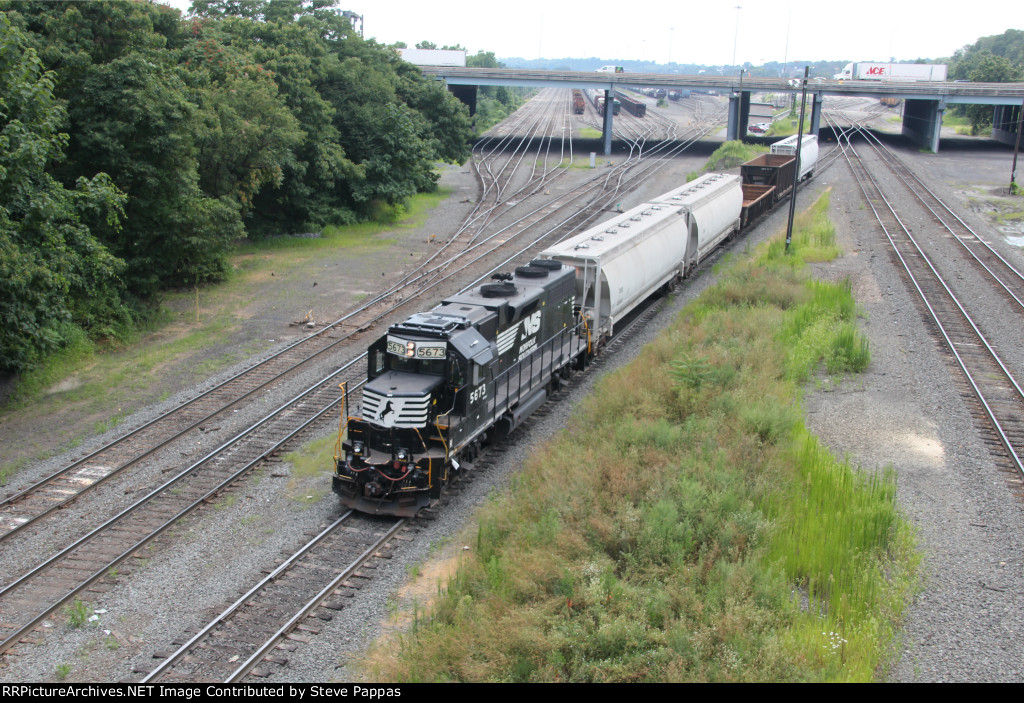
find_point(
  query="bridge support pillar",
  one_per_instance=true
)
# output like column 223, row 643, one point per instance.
column 609, row 110
column 816, row 114
column 467, row 94
column 922, row 122
column 1004, row 123
column 739, row 115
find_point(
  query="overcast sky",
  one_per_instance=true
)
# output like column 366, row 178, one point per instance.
column 666, row 31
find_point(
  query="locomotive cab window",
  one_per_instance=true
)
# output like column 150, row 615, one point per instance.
column 433, row 367
column 377, row 361
column 457, row 376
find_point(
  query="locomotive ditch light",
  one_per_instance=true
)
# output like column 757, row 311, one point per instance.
column 402, row 455
column 358, row 448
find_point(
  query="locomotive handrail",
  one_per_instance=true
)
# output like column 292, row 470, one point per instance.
column 342, row 419
column 440, row 436
column 423, row 442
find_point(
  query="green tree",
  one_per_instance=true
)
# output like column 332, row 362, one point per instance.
column 1009, row 45
column 982, row 67
column 130, row 115
column 55, row 277
column 315, row 185
column 247, row 134
column 374, row 125
column 134, row 121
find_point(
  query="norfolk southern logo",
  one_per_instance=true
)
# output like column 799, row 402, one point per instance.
column 530, row 326
column 396, row 412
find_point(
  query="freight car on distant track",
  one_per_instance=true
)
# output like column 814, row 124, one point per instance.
column 578, row 105
column 597, row 98
column 633, row 107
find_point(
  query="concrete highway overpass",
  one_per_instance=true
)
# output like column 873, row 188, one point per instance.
column 925, row 102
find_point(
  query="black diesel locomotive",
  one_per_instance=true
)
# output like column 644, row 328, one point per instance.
column 443, row 380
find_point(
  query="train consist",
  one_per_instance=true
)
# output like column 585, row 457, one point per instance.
column 633, row 107
column 443, row 382
column 597, row 97
column 578, row 106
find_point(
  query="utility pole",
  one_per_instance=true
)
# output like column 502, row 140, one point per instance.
column 736, row 35
column 796, row 169
column 1016, row 148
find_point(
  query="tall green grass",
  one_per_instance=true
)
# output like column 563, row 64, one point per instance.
column 686, row 526
column 784, row 127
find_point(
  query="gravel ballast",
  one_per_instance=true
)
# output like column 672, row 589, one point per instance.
column 905, row 410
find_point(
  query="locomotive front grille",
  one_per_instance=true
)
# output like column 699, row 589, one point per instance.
column 395, row 411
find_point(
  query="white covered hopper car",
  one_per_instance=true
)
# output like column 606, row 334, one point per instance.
column 808, row 152
column 622, row 261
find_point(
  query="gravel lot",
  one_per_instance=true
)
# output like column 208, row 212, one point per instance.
column 904, row 411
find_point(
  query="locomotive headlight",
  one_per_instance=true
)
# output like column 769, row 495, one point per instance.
column 410, row 349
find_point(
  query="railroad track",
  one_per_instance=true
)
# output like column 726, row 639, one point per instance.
column 257, row 631
column 994, row 394
column 30, row 597
column 1005, row 277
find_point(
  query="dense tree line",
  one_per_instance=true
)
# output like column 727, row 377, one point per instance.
column 995, row 59
column 136, row 144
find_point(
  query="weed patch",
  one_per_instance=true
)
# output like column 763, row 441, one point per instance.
column 731, row 155
column 77, row 613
